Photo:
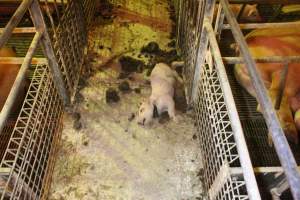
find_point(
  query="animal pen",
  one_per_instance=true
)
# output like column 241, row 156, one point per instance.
column 231, row 134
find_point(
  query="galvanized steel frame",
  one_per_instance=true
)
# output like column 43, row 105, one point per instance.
column 281, row 145
column 28, row 162
column 205, row 58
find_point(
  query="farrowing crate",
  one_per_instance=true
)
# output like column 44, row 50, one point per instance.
column 222, row 120
column 31, row 141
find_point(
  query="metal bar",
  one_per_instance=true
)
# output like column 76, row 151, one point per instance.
column 244, row 157
column 21, row 30
column 264, row 25
column 241, row 11
column 208, row 12
column 20, row 60
column 4, row 114
column 263, row 59
column 282, row 148
column 258, row 170
column 284, row 2
column 14, row 21
column 219, row 22
column 37, row 18
column 283, row 77
column 54, row 30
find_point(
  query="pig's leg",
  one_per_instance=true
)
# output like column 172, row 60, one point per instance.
column 285, row 116
column 177, row 77
column 171, row 109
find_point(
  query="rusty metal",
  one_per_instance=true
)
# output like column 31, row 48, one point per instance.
column 14, row 21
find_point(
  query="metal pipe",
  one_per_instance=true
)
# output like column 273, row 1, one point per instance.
column 14, row 21
column 38, row 21
column 282, row 83
column 236, row 126
column 20, row 60
column 282, row 148
column 263, row 59
column 264, row 25
column 200, row 59
column 4, row 114
column 241, row 12
column 21, row 30
column 284, row 2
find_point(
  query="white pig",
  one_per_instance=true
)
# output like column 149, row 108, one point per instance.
column 162, row 79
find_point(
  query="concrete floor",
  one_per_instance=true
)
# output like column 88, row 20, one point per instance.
column 111, row 157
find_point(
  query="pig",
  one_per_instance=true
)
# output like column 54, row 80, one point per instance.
column 276, row 42
column 250, row 12
column 163, row 80
column 8, row 74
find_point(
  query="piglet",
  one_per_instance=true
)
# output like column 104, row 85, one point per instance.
column 162, row 79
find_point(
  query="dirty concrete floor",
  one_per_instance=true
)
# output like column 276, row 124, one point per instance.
column 105, row 156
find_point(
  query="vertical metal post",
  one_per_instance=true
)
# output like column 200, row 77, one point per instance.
column 282, row 148
column 282, row 82
column 208, row 13
column 37, row 18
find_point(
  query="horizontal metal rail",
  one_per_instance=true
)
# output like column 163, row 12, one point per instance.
column 19, row 81
column 264, row 25
column 21, row 30
column 259, row 170
column 263, row 59
column 282, row 148
column 244, row 157
column 20, row 60
column 14, row 21
column 281, row 2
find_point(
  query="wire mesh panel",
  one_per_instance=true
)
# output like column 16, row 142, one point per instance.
column 216, row 137
column 27, row 163
column 68, row 22
column 89, row 7
column 188, row 35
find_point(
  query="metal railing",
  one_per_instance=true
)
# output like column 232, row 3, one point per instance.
column 60, row 28
column 209, row 93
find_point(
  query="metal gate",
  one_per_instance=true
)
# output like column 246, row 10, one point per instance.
column 60, row 28
column 228, row 171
